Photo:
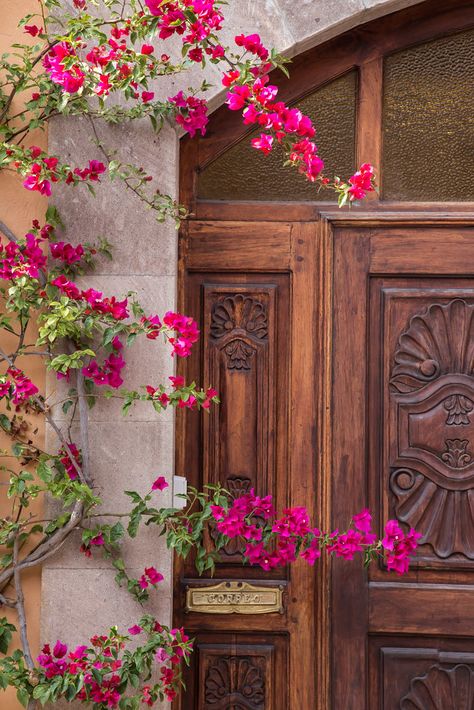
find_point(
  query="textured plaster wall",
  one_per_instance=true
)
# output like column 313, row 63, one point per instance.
column 78, row 595
column 17, row 209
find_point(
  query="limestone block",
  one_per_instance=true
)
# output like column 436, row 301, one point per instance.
column 126, row 456
column 140, row 244
column 312, row 22
column 77, row 603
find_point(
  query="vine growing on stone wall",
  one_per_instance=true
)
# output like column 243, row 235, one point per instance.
column 85, row 55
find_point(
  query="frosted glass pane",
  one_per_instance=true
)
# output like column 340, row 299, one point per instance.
column 428, row 121
column 242, row 173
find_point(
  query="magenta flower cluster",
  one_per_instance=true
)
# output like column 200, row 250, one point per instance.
column 185, row 328
column 99, row 666
column 96, row 301
column 17, row 261
column 17, row 387
column 109, row 372
column 274, row 542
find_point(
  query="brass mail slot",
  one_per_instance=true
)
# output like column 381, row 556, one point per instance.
column 234, row 598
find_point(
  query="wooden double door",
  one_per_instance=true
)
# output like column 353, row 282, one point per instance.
column 343, row 351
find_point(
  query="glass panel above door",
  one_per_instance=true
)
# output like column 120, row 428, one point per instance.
column 428, row 121
column 242, row 173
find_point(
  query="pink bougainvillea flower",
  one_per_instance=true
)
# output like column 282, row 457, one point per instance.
column 393, row 534
column 264, row 143
column 189, row 403
column 34, row 182
column 33, row 30
column 147, row 96
column 160, row 484
column 253, row 44
column 195, row 54
column 150, row 576
column 146, row 696
column 72, row 78
column 135, row 630
column 67, row 462
column 153, row 575
column 152, row 325
column 147, row 49
column 238, row 97
column 363, row 521
column 59, row 650
column 67, row 287
column 177, row 381
column 192, row 113
column 22, row 388
column 98, row 540
column 95, row 169
column 161, row 655
column 66, row 252
column 361, row 182
column 347, row 544
column 186, row 329
column 108, row 373
column 312, row 552
column 35, row 152
column 104, row 86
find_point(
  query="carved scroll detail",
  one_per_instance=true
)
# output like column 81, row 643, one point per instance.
column 236, row 681
column 441, row 688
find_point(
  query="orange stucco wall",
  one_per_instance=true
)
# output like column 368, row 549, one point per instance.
column 18, row 208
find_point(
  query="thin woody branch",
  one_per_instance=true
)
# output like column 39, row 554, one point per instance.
column 20, row 606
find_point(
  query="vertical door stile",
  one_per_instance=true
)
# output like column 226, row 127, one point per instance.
column 304, row 461
column 349, row 488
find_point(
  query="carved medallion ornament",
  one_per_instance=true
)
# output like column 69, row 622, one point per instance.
column 245, row 319
column 432, row 427
column 235, row 682
column 441, row 688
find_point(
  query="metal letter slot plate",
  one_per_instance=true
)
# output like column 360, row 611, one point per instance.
column 234, row 598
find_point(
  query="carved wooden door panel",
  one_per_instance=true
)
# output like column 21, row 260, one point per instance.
column 403, row 441
column 251, row 287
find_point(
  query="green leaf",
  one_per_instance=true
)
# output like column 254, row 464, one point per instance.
column 53, row 217
column 6, row 630
column 67, row 406
column 5, row 422
column 23, row 696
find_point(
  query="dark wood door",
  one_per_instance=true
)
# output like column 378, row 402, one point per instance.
column 403, row 442
column 343, row 349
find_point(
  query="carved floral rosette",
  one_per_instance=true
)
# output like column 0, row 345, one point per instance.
column 432, row 427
